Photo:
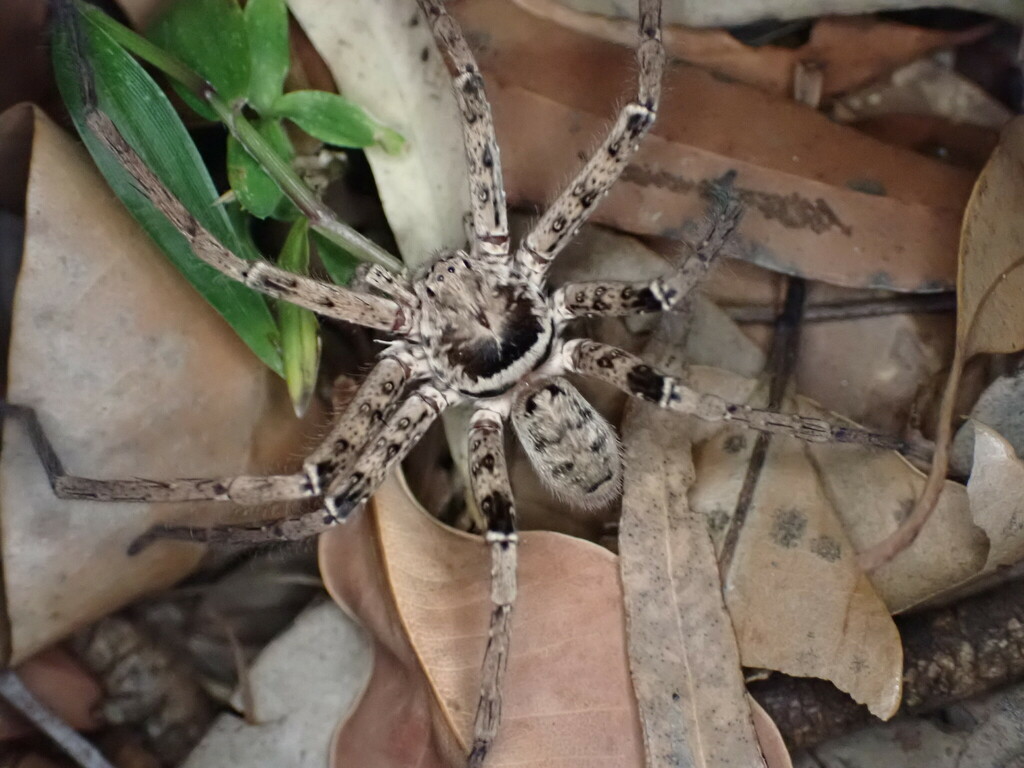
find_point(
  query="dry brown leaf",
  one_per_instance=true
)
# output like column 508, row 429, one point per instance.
column 870, row 492
column 967, row 146
column 849, row 52
column 990, row 314
column 773, row 747
column 132, row 374
column 792, row 546
column 422, row 591
column 683, row 655
column 554, row 92
column 996, row 491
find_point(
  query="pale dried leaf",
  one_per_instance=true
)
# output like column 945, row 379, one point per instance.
column 308, row 675
column 682, row 651
column 991, row 281
column 568, row 700
column 382, row 56
column 792, row 546
column 990, row 315
column 773, row 747
column 1000, row 407
column 554, row 92
column 683, row 655
column 996, row 491
column 132, row 374
column 713, row 13
column 848, row 52
column 925, row 87
column 872, row 369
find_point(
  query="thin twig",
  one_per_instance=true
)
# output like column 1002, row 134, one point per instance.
column 926, row 303
column 62, row 734
column 780, row 369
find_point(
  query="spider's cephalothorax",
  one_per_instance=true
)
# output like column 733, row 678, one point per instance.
column 483, row 325
column 477, row 328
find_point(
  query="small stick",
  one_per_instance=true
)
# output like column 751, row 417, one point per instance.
column 63, row 735
column 780, row 370
column 927, row 303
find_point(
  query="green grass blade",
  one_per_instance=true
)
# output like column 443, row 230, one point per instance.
column 267, row 24
column 339, row 263
column 300, row 337
column 149, row 123
column 255, row 190
column 335, row 120
column 210, row 37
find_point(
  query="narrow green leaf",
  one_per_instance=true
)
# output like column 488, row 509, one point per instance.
column 335, row 120
column 210, row 37
column 267, row 24
column 339, row 263
column 300, row 338
column 149, row 123
column 256, row 191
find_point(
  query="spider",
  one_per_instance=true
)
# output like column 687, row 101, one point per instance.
column 478, row 326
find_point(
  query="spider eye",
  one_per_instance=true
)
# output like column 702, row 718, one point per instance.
column 452, row 270
column 430, row 293
column 440, row 278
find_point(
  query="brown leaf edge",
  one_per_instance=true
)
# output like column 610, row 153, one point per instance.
column 418, row 704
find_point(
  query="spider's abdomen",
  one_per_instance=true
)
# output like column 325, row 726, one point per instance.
column 572, row 448
column 484, row 326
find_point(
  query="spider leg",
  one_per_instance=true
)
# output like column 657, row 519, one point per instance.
column 323, row 298
column 347, row 491
column 489, row 222
column 373, row 403
column 665, row 293
column 633, row 376
column 493, row 495
column 241, row 489
column 574, row 205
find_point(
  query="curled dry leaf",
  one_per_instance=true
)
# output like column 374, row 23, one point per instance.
column 869, row 216
column 128, row 368
column 996, row 491
column 849, row 52
column 422, row 591
column 990, row 315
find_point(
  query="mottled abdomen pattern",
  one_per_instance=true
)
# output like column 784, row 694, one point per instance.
column 574, row 450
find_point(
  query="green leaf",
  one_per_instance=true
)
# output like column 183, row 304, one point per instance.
column 339, row 263
column 149, row 123
column 300, row 338
column 267, row 24
column 256, row 191
column 335, row 120
column 210, row 37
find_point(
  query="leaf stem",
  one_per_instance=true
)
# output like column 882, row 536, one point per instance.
column 321, row 218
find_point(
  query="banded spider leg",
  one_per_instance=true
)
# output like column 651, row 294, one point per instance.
column 563, row 219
